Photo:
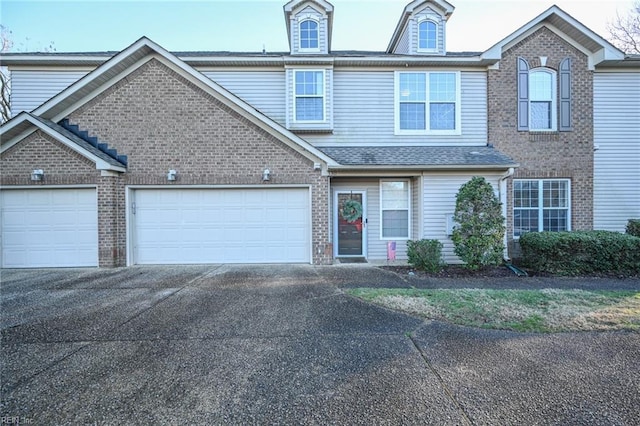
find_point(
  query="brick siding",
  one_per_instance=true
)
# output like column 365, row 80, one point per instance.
column 162, row 121
column 61, row 164
column 546, row 154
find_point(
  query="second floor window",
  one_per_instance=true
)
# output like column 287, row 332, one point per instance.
column 308, row 34
column 427, row 102
column 309, row 95
column 542, row 96
column 427, row 33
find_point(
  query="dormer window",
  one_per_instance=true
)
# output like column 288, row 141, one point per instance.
column 309, row 35
column 309, row 25
column 422, row 29
column 427, row 35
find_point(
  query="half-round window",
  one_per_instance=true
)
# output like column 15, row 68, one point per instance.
column 308, row 34
column 427, row 35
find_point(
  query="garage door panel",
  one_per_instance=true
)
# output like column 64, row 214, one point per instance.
column 296, row 234
column 49, row 228
column 221, row 225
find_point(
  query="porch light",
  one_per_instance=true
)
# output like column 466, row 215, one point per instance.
column 37, row 175
column 266, row 175
column 171, row 176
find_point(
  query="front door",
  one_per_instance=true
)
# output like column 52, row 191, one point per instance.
column 350, row 223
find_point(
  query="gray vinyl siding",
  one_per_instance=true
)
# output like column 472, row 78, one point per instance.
column 363, row 108
column 474, row 107
column 264, row 90
column 616, row 113
column 439, row 200
column 359, row 103
column 404, row 47
column 416, row 208
column 30, row 89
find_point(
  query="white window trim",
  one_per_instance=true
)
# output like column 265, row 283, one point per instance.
column 541, row 203
column 307, row 49
column 458, row 114
column 426, row 50
column 324, row 96
column 409, row 210
column 554, row 99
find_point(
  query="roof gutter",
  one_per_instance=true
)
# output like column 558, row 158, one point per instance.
column 269, row 60
column 418, row 167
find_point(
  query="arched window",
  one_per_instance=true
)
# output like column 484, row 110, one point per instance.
column 427, row 35
column 308, row 34
column 542, row 99
column 539, row 92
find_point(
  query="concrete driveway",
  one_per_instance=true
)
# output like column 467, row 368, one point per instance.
column 284, row 345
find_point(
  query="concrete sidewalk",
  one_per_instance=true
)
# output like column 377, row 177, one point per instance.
column 219, row 344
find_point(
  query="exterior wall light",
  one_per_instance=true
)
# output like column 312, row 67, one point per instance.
column 266, row 175
column 37, row 175
column 171, row 176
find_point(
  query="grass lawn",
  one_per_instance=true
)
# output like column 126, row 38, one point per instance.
column 541, row 311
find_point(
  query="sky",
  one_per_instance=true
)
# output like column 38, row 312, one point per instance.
column 251, row 25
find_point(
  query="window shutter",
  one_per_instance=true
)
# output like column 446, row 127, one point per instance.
column 565, row 95
column 523, row 95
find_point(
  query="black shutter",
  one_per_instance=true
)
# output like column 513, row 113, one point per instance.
column 523, row 95
column 565, row 95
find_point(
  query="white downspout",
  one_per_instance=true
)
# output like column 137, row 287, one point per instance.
column 503, row 200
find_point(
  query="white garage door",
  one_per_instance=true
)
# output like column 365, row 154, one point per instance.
column 221, row 225
column 49, row 228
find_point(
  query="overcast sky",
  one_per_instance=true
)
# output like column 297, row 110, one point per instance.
column 247, row 26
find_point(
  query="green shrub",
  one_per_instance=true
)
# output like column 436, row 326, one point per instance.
column 425, row 254
column 581, row 252
column 478, row 238
column 633, row 227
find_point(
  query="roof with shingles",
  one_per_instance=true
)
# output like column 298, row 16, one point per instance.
column 79, row 141
column 427, row 156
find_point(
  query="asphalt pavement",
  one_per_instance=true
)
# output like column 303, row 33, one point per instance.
column 284, row 344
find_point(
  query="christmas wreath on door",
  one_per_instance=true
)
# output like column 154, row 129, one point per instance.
column 352, row 212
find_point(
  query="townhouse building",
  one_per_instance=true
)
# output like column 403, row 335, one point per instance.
column 146, row 156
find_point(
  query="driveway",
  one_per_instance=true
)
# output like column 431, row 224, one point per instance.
column 213, row 344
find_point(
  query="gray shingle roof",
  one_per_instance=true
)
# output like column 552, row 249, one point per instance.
column 79, row 141
column 223, row 53
column 427, row 156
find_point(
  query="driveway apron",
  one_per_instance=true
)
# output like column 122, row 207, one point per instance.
column 217, row 344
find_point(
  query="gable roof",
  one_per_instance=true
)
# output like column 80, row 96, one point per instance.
column 140, row 52
column 595, row 47
column 25, row 123
column 322, row 5
column 445, row 8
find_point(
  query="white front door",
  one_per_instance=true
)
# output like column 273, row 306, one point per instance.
column 45, row 228
column 251, row 225
column 350, row 223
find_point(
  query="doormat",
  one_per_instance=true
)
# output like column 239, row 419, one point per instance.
column 352, row 260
